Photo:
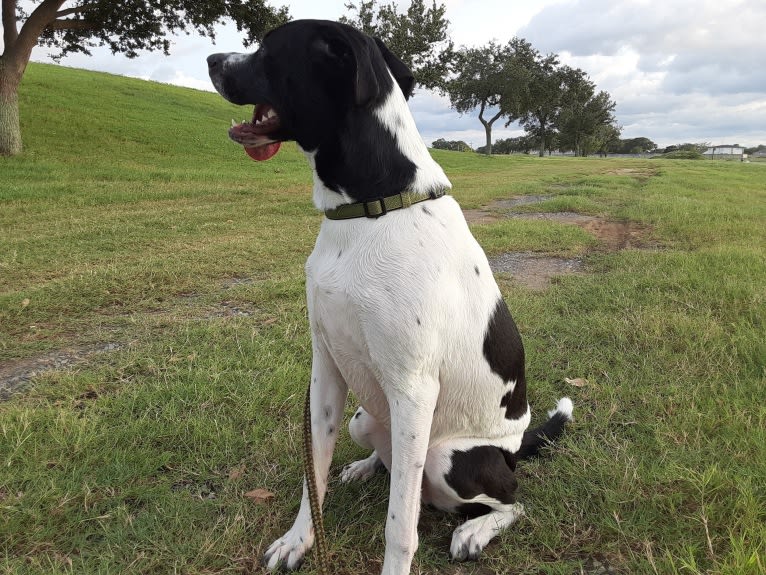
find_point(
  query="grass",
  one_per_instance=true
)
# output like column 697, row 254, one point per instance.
column 130, row 219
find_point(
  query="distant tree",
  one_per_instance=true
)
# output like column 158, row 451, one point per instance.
column 544, row 89
column 453, row 145
column 632, row 146
column 602, row 139
column 491, row 78
column 583, row 116
column 419, row 36
column 521, row 144
column 756, row 149
column 689, row 147
column 125, row 27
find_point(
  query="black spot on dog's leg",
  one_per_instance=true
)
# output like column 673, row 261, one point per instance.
column 426, row 211
column 476, row 269
column 504, row 352
column 417, row 319
column 340, row 253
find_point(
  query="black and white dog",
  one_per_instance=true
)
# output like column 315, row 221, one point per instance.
column 403, row 307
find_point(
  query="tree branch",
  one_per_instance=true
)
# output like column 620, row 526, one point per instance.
column 481, row 114
column 71, row 24
column 495, row 117
column 75, row 10
column 10, row 30
column 19, row 52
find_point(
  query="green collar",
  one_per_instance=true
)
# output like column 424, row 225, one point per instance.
column 381, row 206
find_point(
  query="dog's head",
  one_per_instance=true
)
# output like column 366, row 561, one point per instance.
column 305, row 81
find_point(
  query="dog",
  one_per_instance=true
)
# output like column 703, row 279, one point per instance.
column 403, row 307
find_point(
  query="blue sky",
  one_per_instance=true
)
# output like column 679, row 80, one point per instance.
column 680, row 71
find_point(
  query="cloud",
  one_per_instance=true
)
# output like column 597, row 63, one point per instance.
column 688, row 70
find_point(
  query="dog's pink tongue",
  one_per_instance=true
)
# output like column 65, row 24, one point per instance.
column 261, row 153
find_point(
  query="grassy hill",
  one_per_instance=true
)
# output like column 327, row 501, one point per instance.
column 154, row 350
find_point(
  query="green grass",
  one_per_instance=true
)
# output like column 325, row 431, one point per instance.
column 130, row 219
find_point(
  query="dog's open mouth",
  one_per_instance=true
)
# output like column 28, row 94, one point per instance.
column 255, row 135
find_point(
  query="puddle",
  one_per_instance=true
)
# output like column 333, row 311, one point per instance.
column 15, row 374
column 533, row 270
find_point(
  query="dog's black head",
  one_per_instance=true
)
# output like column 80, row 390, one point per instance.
column 319, row 83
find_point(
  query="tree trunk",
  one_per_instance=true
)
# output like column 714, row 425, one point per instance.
column 488, row 133
column 10, row 128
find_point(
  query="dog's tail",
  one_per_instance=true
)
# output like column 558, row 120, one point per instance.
column 548, row 432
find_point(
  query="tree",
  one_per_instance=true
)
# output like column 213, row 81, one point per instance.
column 537, row 111
column 632, row 146
column 583, row 116
column 125, row 27
column 419, row 37
column 453, row 145
column 521, row 144
column 492, row 79
column 602, row 138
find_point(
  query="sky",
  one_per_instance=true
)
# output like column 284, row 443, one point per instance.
column 679, row 70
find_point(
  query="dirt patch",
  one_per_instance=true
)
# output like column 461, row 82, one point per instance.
column 613, row 235
column 498, row 209
column 15, row 374
column 534, row 271
column 641, row 174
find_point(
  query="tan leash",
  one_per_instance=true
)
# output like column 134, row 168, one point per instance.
column 311, row 485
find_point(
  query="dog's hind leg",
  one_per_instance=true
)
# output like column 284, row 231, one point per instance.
column 328, row 397
column 476, row 479
column 367, row 432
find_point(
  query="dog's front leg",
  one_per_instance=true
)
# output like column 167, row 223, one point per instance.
column 328, row 398
column 412, row 408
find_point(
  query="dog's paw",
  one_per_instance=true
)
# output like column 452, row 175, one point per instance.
column 288, row 551
column 361, row 470
column 467, row 543
column 471, row 537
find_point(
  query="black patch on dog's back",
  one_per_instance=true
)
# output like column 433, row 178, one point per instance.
column 483, row 470
column 504, row 352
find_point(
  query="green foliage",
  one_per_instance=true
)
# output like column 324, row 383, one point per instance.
column 521, row 144
column 491, row 78
column 632, row 146
column 419, row 36
column 132, row 25
column 681, row 155
column 454, row 145
column 140, row 223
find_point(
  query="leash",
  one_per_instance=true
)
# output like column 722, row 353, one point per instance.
column 311, row 486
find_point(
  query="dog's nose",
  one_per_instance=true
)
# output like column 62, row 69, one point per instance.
column 214, row 61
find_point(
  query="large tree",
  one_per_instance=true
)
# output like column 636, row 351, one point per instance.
column 491, row 79
column 419, row 36
column 582, row 115
column 543, row 98
column 126, row 27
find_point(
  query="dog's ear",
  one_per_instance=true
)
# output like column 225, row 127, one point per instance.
column 352, row 55
column 399, row 69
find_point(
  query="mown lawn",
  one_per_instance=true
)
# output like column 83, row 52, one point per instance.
column 131, row 224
